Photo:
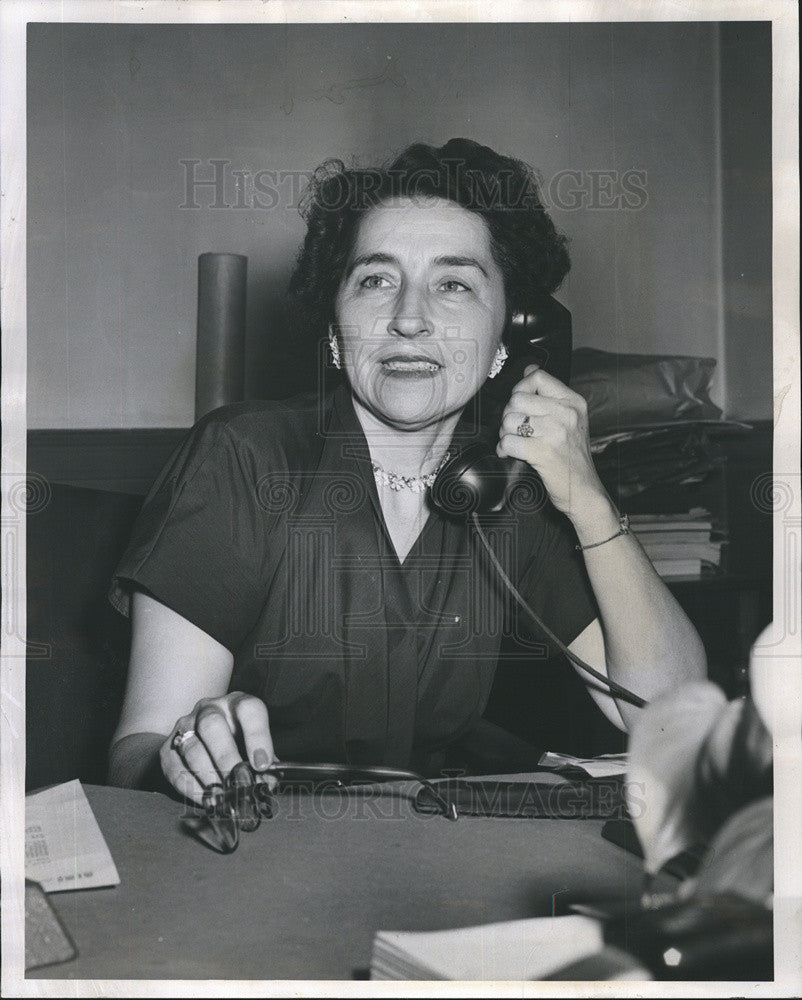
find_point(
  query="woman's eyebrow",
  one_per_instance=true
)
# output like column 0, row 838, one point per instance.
column 368, row 259
column 450, row 261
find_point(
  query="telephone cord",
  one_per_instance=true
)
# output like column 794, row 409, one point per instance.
column 616, row 689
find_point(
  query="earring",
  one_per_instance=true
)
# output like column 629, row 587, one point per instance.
column 498, row 361
column 334, row 347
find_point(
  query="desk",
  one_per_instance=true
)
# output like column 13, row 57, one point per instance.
column 303, row 895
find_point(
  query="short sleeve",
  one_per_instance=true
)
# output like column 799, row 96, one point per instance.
column 555, row 582
column 197, row 544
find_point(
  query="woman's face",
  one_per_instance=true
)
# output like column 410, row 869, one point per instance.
column 420, row 310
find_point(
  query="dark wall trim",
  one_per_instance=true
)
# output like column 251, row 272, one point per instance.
column 126, row 461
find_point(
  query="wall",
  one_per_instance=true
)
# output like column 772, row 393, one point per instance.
column 113, row 109
column 746, row 216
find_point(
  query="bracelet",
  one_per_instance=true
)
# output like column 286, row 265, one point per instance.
column 623, row 529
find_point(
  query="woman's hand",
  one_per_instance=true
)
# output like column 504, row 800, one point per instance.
column 210, row 748
column 559, row 446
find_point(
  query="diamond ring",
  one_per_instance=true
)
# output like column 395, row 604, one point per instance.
column 180, row 739
column 525, row 429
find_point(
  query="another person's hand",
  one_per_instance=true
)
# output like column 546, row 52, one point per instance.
column 558, row 447
column 215, row 730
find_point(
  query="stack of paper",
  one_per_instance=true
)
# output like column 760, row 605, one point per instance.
column 608, row 765
column 64, row 848
column 515, row 950
column 678, row 544
column 659, row 457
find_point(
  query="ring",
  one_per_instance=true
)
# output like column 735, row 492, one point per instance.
column 180, row 739
column 525, row 429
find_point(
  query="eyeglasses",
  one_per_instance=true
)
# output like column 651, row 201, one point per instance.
column 240, row 802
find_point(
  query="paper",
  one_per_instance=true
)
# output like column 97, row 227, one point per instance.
column 64, row 848
column 514, row 950
column 606, row 766
column 636, row 432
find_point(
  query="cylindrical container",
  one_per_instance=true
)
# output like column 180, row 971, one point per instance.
column 220, row 355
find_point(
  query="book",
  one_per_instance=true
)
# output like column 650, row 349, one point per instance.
column 702, row 549
column 514, row 950
column 679, row 544
column 680, row 567
column 696, row 519
column 672, row 537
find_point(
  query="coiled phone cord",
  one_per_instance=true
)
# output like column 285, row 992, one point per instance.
column 617, row 689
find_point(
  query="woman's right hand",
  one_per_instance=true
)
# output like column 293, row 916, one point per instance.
column 207, row 756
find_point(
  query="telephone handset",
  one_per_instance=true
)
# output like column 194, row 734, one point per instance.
column 476, row 479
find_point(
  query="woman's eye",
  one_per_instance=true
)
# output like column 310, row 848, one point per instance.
column 374, row 281
column 452, row 285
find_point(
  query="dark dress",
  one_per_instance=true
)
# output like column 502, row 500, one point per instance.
column 265, row 531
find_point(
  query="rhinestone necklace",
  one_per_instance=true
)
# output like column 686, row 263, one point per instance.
column 417, row 484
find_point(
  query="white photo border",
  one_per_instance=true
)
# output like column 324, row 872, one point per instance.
column 14, row 17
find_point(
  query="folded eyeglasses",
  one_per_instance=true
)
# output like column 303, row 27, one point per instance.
column 239, row 802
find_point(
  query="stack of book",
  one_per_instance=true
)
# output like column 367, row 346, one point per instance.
column 567, row 947
column 679, row 544
column 514, row 950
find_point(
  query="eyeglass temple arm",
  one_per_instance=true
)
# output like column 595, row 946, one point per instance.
column 287, row 770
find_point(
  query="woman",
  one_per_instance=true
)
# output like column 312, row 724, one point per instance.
column 292, row 592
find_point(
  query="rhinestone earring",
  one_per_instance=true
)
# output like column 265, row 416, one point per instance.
column 498, row 361
column 334, row 347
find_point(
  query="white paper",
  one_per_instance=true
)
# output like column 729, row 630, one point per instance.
column 64, row 848
column 606, row 766
column 514, row 950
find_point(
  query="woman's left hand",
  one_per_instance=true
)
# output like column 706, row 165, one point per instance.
column 559, row 446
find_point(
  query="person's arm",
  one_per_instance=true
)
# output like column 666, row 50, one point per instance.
column 648, row 643
column 589, row 646
column 178, row 677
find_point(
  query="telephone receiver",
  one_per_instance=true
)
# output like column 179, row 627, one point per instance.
column 476, row 480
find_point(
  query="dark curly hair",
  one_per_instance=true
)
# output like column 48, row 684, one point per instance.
column 531, row 254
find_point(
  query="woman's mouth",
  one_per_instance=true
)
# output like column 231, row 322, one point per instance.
column 414, row 366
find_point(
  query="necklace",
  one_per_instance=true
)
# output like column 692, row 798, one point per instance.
column 417, row 484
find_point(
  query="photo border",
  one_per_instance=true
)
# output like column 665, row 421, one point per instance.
column 14, row 17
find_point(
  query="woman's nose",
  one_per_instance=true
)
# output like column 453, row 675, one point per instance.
column 410, row 318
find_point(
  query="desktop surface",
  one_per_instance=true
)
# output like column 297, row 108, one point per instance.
column 303, row 896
